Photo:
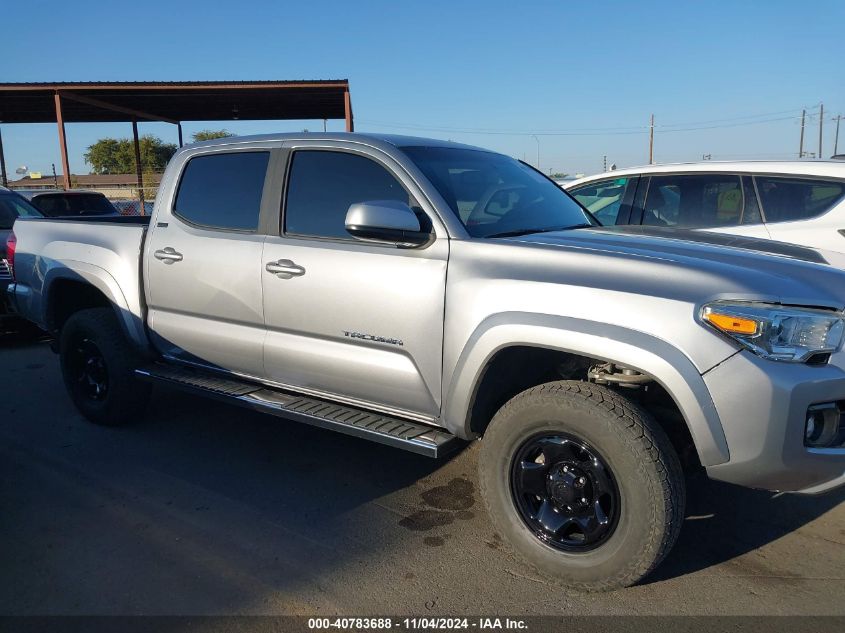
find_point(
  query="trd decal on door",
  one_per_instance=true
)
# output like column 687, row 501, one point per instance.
column 373, row 337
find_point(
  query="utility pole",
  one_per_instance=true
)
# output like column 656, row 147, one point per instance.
column 801, row 142
column 604, row 163
column 821, row 121
column 651, row 142
column 836, row 138
column 538, row 150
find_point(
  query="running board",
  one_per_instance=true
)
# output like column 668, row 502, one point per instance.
column 411, row 436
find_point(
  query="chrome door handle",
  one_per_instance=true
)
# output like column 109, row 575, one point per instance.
column 285, row 269
column 168, row 255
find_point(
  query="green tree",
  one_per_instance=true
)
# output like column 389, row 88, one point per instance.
column 207, row 135
column 117, row 156
column 559, row 175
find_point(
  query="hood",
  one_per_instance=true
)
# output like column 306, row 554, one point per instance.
column 698, row 265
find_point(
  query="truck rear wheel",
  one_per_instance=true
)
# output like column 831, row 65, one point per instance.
column 583, row 484
column 98, row 365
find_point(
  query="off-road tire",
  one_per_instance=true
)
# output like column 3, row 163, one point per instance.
column 126, row 397
column 641, row 458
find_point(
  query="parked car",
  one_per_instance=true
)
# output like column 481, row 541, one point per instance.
column 12, row 207
column 305, row 276
column 56, row 203
column 802, row 202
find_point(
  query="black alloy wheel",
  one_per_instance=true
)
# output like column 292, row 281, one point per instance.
column 88, row 370
column 565, row 492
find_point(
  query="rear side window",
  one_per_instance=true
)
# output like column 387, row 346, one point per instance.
column 223, row 190
column 789, row 199
column 705, row 200
column 603, row 199
column 324, row 184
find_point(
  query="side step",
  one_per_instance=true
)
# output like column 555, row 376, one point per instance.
column 412, row 436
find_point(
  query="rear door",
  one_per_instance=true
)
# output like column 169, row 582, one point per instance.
column 203, row 260
column 723, row 203
column 355, row 321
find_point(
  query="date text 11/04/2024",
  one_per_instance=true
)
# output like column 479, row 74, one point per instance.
column 417, row 623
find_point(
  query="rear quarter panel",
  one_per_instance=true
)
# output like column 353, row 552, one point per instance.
column 105, row 255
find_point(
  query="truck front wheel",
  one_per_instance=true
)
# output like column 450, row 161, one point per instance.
column 583, row 483
column 98, row 365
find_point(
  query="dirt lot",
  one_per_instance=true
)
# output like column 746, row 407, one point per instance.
column 208, row 509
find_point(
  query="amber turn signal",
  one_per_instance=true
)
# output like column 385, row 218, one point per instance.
column 733, row 324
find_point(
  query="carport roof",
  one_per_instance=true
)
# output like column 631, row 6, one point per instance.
column 175, row 101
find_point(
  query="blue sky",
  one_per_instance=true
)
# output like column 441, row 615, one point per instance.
column 583, row 77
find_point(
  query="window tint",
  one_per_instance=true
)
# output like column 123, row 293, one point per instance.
column 13, row 207
column 323, row 185
column 223, row 190
column 705, row 200
column 603, row 199
column 786, row 199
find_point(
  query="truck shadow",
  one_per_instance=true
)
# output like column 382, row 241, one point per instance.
column 724, row 522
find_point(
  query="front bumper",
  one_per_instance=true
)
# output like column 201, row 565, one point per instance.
column 763, row 405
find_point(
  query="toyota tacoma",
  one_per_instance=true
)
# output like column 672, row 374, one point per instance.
column 423, row 294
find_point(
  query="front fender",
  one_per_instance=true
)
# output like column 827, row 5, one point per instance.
column 672, row 369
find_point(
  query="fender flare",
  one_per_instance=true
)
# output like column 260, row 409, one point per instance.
column 102, row 280
column 670, row 367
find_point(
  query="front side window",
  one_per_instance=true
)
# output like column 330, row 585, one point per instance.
column 323, row 185
column 494, row 195
column 790, row 199
column 603, row 198
column 223, row 191
column 703, row 200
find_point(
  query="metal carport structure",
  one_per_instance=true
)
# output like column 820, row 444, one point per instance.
column 170, row 102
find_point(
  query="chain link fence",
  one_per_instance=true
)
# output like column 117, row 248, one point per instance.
column 131, row 205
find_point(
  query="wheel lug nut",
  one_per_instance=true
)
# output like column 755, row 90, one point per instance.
column 583, row 499
column 582, row 480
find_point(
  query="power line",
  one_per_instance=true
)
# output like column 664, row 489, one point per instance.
column 736, row 118
column 611, row 131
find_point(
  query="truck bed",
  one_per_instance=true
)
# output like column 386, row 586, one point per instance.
column 101, row 251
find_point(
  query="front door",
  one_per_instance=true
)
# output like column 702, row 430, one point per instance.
column 355, row 321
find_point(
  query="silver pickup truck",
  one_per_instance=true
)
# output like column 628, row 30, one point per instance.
column 422, row 294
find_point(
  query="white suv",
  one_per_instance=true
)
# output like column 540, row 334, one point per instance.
column 802, row 202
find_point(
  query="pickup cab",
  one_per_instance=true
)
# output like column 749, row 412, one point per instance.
column 424, row 294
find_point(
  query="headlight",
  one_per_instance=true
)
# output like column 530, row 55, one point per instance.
column 777, row 332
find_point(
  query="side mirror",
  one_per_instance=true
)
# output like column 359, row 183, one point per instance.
column 385, row 221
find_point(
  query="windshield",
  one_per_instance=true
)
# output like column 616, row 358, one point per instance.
column 12, row 207
column 495, row 195
column 60, row 204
